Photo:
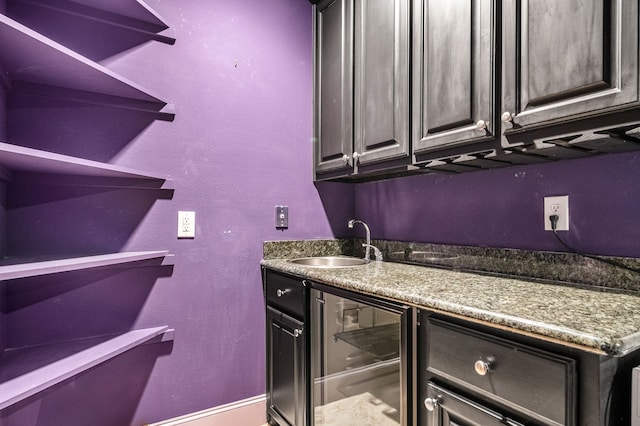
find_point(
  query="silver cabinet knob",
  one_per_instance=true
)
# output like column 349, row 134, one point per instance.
column 431, row 403
column 482, row 125
column 281, row 293
column 482, row 367
column 506, row 117
column 297, row 332
column 355, row 156
column 345, row 158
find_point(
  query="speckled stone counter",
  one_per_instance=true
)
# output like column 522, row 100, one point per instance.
column 606, row 322
column 562, row 268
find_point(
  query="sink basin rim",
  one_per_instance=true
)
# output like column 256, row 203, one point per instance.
column 329, row 261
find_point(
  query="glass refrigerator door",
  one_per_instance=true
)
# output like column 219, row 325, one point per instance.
column 357, row 373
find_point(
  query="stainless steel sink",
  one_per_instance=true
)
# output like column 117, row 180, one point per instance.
column 329, row 261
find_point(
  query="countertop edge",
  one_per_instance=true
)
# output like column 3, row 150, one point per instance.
column 611, row 346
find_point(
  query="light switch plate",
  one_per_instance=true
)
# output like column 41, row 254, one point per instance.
column 186, row 224
column 282, row 217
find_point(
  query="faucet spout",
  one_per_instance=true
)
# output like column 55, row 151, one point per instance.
column 367, row 245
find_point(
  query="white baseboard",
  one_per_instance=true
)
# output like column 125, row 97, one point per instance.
column 246, row 412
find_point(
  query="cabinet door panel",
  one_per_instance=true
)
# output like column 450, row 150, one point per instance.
column 381, row 79
column 334, row 85
column 285, row 367
column 452, row 73
column 563, row 59
column 568, row 58
column 449, row 52
column 377, row 71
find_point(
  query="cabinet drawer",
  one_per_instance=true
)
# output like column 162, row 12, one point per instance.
column 285, row 292
column 536, row 383
column 448, row 407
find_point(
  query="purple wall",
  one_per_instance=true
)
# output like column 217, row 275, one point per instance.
column 504, row 208
column 240, row 76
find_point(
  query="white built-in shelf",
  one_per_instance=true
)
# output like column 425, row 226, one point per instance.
column 22, row 160
column 130, row 15
column 43, row 67
column 11, row 268
column 26, row 371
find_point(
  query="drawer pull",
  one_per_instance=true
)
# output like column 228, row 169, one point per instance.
column 431, row 403
column 297, row 332
column 281, row 293
column 482, row 367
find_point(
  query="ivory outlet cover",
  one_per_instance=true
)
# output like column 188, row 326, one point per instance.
column 186, row 224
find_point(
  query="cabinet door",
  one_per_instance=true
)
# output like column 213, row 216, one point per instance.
column 333, row 143
column 381, row 80
column 453, row 79
column 567, row 59
column 286, row 392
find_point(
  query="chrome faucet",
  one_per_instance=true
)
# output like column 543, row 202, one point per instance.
column 367, row 246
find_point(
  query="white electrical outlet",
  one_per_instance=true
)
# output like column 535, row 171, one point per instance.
column 558, row 206
column 186, row 224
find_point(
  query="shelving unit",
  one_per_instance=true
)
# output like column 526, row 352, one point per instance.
column 14, row 158
column 46, row 68
column 11, row 268
column 33, row 64
column 27, row 371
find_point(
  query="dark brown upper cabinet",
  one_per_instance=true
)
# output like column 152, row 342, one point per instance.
column 361, row 87
column 381, row 107
column 453, row 73
column 567, row 60
column 454, row 86
column 333, row 118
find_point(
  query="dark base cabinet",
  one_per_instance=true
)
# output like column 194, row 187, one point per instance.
column 286, row 368
column 346, row 357
column 287, row 362
column 472, row 374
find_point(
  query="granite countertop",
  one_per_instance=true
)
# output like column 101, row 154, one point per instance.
column 604, row 322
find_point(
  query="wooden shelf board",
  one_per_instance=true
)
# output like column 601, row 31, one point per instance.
column 137, row 9
column 67, row 360
column 18, row 158
column 43, row 61
column 128, row 15
column 10, row 268
column 164, row 111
